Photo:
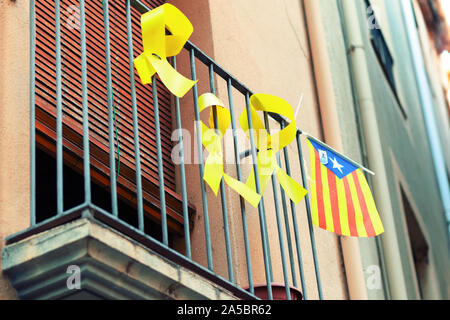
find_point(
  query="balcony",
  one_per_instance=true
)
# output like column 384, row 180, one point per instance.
column 136, row 223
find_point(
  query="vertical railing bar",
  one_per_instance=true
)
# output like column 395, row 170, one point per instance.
column 261, row 210
column 239, row 176
column 279, row 227
column 288, row 230
column 264, row 223
column 162, row 195
column 187, row 238
column 86, row 156
column 59, row 133
column 201, row 166
column 137, row 152
column 295, row 225
column 112, row 158
column 310, row 226
column 222, row 187
column 32, row 113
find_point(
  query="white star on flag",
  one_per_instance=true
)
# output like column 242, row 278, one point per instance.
column 337, row 165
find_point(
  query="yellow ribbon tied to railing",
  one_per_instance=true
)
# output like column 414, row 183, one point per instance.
column 269, row 144
column 158, row 46
column 212, row 141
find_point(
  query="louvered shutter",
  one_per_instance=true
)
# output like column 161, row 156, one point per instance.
column 97, row 97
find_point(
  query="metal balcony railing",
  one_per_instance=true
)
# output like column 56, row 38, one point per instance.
column 290, row 256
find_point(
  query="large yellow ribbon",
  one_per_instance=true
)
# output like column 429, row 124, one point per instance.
column 211, row 140
column 158, row 46
column 269, row 145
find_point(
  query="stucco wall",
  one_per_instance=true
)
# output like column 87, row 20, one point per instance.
column 405, row 143
column 348, row 121
column 432, row 64
column 14, row 124
column 264, row 45
column 406, row 149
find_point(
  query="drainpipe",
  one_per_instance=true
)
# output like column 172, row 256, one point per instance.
column 328, row 110
column 427, row 108
column 372, row 141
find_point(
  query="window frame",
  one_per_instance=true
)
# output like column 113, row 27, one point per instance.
column 384, row 56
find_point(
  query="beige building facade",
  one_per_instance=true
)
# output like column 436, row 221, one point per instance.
column 317, row 55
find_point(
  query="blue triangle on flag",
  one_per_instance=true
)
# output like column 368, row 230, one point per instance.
column 338, row 165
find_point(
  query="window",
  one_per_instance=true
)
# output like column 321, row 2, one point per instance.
column 418, row 244
column 98, row 104
column 381, row 48
column 382, row 52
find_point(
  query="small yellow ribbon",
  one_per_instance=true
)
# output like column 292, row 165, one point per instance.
column 211, row 140
column 158, row 46
column 269, row 145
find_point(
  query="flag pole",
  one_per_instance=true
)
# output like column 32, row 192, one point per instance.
column 356, row 164
column 279, row 117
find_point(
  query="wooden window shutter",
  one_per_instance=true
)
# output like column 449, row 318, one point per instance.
column 97, row 100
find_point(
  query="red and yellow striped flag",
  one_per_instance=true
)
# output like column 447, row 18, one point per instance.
column 341, row 200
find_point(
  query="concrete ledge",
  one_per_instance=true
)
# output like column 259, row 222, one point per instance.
column 112, row 267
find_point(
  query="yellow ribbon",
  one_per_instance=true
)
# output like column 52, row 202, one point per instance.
column 158, row 46
column 211, row 140
column 269, row 145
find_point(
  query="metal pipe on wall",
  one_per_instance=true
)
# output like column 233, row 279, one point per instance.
column 427, row 108
column 378, row 244
column 332, row 133
column 374, row 150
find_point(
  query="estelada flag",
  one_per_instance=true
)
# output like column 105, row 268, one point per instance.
column 341, row 200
